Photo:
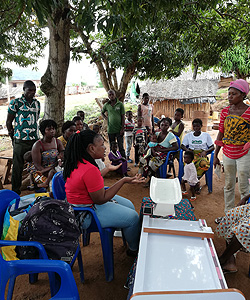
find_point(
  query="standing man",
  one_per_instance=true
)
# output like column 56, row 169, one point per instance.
column 116, row 120
column 145, row 110
column 25, row 111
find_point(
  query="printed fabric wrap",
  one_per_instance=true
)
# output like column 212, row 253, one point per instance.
column 202, row 164
column 236, row 130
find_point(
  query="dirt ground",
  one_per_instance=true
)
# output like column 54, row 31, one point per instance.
column 207, row 206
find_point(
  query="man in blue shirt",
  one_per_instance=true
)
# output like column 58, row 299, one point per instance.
column 25, row 111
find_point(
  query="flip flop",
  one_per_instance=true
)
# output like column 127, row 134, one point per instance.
column 185, row 193
column 218, row 220
column 192, row 198
column 226, row 271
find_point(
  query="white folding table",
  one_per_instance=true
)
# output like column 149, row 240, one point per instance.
column 177, row 260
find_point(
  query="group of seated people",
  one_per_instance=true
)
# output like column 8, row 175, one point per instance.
column 84, row 180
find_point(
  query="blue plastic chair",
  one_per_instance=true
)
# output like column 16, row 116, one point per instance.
column 106, row 234
column 11, row 269
column 169, row 162
column 208, row 174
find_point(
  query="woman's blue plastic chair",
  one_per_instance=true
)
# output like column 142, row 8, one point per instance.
column 163, row 168
column 11, row 269
column 208, row 174
column 106, row 234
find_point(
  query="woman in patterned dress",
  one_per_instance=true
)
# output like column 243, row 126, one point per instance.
column 235, row 229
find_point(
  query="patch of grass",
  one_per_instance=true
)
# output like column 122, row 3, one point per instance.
column 91, row 110
column 5, row 143
column 221, row 91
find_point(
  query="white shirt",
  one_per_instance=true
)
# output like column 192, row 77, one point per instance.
column 201, row 142
column 190, row 174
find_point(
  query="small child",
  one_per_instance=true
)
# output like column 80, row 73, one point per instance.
column 37, row 179
column 128, row 133
column 190, row 175
column 153, row 143
column 177, row 127
column 116, row 158
column 96, row 128
column 81, row 114
column 139, row 140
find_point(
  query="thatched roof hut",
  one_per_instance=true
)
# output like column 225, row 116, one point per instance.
column 191, row 95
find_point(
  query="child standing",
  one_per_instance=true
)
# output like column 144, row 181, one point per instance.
column 177, row 127
column 190, row 175
column 116, row 158
column 129, row 125
column 139, row 140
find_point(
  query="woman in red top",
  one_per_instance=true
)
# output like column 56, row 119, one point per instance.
column 85, row 186
column 234, row 137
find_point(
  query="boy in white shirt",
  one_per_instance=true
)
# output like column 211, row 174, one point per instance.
column 129, row 126
column 190, row 175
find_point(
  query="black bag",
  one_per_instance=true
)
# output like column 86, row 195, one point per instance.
column 52, row 223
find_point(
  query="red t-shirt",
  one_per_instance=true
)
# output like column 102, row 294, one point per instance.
column 84, row 180
column 233, row 151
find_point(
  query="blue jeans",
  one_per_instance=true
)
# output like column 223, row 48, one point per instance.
column 121, row 215
column 128, row 141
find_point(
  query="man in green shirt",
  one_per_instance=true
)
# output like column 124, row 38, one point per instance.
column 25, row 111
column 116, row 120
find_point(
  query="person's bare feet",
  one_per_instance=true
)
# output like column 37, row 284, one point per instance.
column 229, row 266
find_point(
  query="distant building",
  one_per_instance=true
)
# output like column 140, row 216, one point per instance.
column 16, row 83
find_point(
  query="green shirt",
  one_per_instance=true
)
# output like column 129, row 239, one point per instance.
column 26, row 118
column 114, row 116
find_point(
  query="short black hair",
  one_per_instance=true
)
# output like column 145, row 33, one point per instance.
column 197, row 120
column 145, row 95
column 166, row 119
column 128, row 111
column 27, row 156
column 113, row 143
column 180, row 110
column 77, row 118
column 67, row 125
column 190, row 154
column 47, row 124
column 28, row 83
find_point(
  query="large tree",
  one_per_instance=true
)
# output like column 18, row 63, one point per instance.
column 21, row 33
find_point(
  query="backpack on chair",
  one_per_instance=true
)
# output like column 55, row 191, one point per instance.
column 52, row 223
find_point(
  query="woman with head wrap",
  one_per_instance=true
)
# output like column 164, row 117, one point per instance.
column 234, row 138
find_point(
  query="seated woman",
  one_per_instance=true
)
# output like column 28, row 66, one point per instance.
column 166, row 142
column 85, row 187
column 201, row 144
column 234, row 227
column 68, row 128
column 78, row 122
column 48, row 151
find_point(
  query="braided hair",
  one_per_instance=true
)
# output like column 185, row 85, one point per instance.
column 76, row 150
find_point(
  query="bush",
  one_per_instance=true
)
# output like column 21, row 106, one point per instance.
column 91, row 110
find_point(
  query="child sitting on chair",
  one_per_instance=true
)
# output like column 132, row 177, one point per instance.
column 190, row 175
column 116, row 158
column 37, row 179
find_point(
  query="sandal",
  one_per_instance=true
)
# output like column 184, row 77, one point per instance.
column 193, row 198
column 184, row 193
column 218, row 220
column 228, row 271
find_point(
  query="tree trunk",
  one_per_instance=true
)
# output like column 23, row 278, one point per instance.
column 54, row 79
column 195, row 69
